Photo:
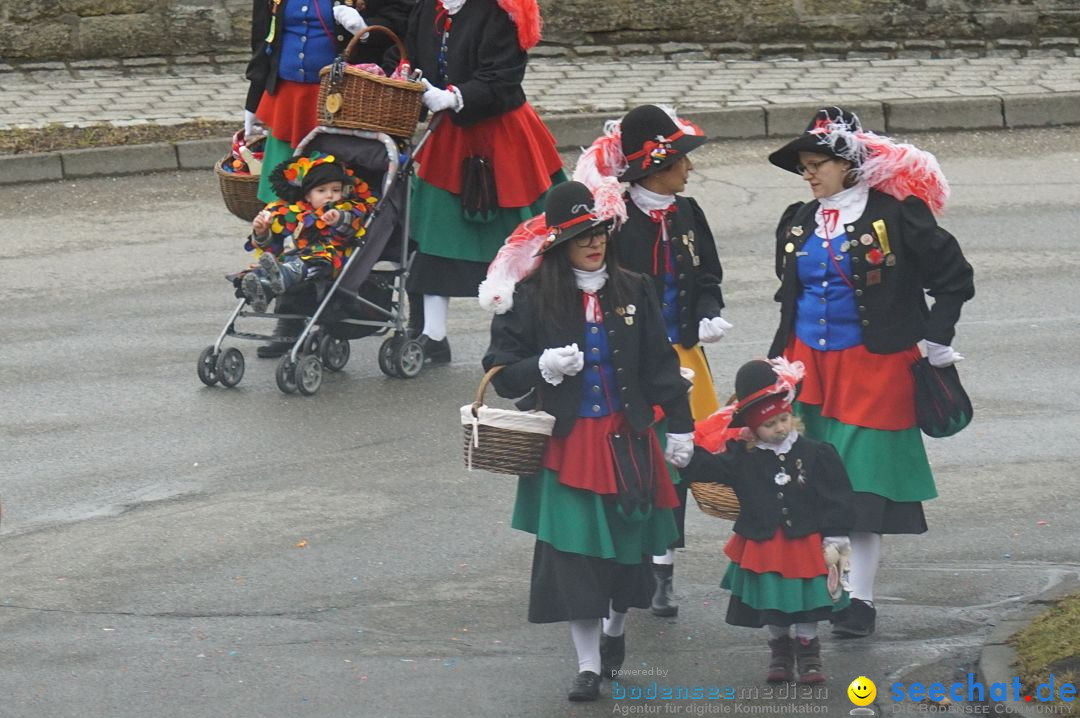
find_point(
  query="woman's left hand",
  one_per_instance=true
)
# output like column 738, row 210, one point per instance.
column 437, row 100
column 679, row 449
column 941, row 355
column 349, row 18
column 712, row 330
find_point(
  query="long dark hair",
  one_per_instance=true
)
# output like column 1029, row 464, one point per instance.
column 557, row 291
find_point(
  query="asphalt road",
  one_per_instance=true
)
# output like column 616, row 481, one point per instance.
column 169, row 549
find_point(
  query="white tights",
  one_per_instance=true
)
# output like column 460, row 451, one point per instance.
column 865, row 555
column 802, row 630
column 585, row 633
column 436, row 308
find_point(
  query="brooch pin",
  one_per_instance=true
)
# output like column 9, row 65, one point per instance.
column 890, row 260
column 631, row 309
column 875, row 257
column 620, row 311
column 782, row 478
column 789, row 247
column 867, row 240
column 796, row 231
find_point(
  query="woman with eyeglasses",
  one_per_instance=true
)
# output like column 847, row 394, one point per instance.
column 585, row 339
column 855, row 265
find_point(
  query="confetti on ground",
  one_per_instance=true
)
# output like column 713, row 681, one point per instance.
column 301, row 543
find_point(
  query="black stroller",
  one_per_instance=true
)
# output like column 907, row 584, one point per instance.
column 368, row 296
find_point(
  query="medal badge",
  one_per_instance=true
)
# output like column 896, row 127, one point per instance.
column 796, row 231
column 866, row 240
column 890, row 260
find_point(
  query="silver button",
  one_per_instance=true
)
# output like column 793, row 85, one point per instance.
column 301, row 56
column 823, row 300
column 820, row 321
column 784, row 511
column 788, row 522
column 596, row 389
column 303, row 38
column 825, row 283
column 596, row 407
column 851, row 228
column 825, row 244
column 839, row 257
column 594, row 330
column 823, row 265
column 595, row 350
column 303, row 8
column 779, row 494
column 821, row 342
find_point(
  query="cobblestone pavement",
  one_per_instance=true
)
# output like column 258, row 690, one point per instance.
column 181, row 89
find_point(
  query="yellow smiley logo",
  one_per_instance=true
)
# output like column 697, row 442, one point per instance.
column 862, row 691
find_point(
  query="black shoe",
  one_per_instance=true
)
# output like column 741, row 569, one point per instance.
column 855, row 621
column 435, row 352
column 273, row 350
column 612, row 654
column 663, row 603
column 586, row 687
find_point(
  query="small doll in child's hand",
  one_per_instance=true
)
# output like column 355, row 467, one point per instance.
column 838, row 561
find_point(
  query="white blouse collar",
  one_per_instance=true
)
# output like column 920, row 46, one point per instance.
column 781, row 447
column 452, row 6
column 648, row 200
column 590, row 282
column 850, row 203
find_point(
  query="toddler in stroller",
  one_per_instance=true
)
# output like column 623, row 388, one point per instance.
column 321, row 214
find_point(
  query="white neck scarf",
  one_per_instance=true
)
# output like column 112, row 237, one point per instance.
column 849, row 203
column 452, row 6
column 590, row 282
column 781, row 447
column 648, row 200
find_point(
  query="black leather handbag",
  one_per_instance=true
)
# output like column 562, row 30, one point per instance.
column 635, row 481
column 478, row 197
column 942, row 407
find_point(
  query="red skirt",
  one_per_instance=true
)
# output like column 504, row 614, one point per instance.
column 858, row 388
column 790, row 557
column 518, row 144
column 291, row 112
column 582, row 459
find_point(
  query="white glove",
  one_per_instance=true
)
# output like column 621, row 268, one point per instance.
column 712, row 330
column 679, row 449
column 941, row 355
column 349, row 19
column 252, row 125
column 437, row 100
column 842, row 543
column 557, row 362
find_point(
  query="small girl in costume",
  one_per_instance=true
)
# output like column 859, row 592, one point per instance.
column 796, row 501
column 322, row 212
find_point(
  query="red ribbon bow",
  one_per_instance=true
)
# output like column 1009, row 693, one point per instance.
column 659, row 216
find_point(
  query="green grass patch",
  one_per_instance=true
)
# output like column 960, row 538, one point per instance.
column 52, row 138
column 1051, row 646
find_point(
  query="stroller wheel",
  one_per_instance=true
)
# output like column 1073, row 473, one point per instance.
column 386, row 355
column 286, row 375
column 230, row 367
column 309, row 374
column 334, row 352
column 207, row 367
column 408, row 358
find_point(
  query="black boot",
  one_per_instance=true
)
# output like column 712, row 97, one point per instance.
column 586, row 687
column 808, row 653
column 781, row 660
column 663, row 603
column 612, row 654
column 435, row 352
column 855, row 621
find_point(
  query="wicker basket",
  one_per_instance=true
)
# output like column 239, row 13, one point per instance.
column 716, row 500
column 361, row 100
column 501, row 440
column 239, row 190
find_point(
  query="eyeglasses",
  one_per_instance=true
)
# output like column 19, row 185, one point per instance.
column 584, row 240
column 812, row 167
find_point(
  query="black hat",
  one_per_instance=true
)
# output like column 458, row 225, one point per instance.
column 651, row 141
column 760, row 380
column 296, row 176
column 830, row 133
column 568, row 212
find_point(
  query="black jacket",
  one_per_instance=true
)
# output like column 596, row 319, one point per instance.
column 890, row 297
column 262, row 70
column 484, row 60
column 697, row 272
column 646, row 366
column 824, row 502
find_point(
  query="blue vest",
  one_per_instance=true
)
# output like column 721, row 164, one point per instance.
column 305, row 46
column 600, row 392
column 669, row 303
column 826, row 317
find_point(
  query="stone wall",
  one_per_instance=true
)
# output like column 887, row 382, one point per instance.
column 82, row 29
